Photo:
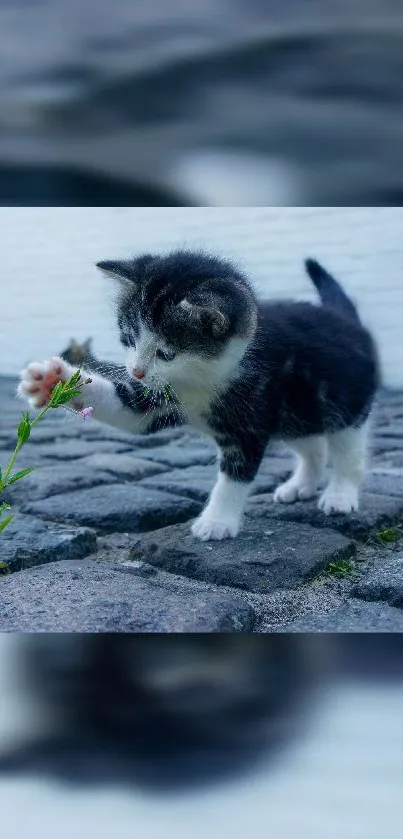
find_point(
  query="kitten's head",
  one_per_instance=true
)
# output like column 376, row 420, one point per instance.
column 184, row 318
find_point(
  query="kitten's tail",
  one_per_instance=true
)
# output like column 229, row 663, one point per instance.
column 330, row 292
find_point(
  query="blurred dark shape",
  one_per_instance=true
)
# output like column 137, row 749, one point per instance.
column 50, row 186
column 163, row 712
column 81, row 355
column 371, row 656
column 226, row 103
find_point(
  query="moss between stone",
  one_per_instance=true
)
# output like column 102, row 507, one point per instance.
column 337, row 568
column 389, row 534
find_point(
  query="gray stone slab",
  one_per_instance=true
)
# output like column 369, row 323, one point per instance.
column 72, row 449
column 395, row 458
column 7, row 440
column 384, row 482
column 48, row 433
column 75, row 427
column 26, row 541
column 353, row 616
column 97, row 596
column 125, row 465
column 119, row 507
column 384, row 582
column 178, row 455
column 376, row 511
column 198, row 481
column 184, row 434
column 47, row 481
column 192, row 481
column 391, row 429
column 385, row 444
column 25, row 458
column 259, row 559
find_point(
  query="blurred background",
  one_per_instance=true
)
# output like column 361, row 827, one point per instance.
column 52, row 291
column 284, row 736
column 213, row 102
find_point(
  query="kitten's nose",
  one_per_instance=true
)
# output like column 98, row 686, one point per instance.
column 138, row 374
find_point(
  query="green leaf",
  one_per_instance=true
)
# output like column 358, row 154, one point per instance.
column 24, row 429
column 67, row 396
column 74, row 379
column 19, row 475
column 57, row 390
column 4, row 506
column 5, row 522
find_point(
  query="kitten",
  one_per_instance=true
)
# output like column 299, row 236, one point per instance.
column 201, row 348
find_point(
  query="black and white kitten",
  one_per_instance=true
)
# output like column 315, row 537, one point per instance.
column 202, row 349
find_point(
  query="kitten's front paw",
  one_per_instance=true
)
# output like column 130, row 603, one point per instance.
column 206, row 527
column 333, row 501
column 38, row 380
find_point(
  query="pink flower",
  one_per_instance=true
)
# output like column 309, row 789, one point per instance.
column 86, row 413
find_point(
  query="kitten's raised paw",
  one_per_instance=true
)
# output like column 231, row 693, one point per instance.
column 38, row 380
column 333, row 501
column 206, row 528
column 291, row 491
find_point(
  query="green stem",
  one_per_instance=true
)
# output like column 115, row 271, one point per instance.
column 40, row 415
column 18, row 447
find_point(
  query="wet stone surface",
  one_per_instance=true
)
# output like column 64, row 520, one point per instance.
column 101, row 537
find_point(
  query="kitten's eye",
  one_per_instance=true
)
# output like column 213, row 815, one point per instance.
column 166, row 355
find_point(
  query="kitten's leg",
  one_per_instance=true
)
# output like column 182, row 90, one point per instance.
column 347, row 449
column 309, row 473
column 124, row 406
column 222, row 518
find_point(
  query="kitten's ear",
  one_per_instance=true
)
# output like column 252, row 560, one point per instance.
column 206, row 318
column 87, row 345
column 117, row 269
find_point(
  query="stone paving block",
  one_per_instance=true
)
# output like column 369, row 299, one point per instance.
column 27, row 541
column 192, row 481
column 123, row 465
column 198, row 481
column 98, row 596
column 376, row 511
column 260, row 559
column 75, row 448
column 47, row 481
column 353, row 616
column 176, row 455
column 386, row 444
column 384, row 482
column 391, row 429
column 383, row 582
column 119, row 507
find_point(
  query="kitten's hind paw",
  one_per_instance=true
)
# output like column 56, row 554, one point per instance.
column 38, row 380
column 333, row 501
column 292, row 490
